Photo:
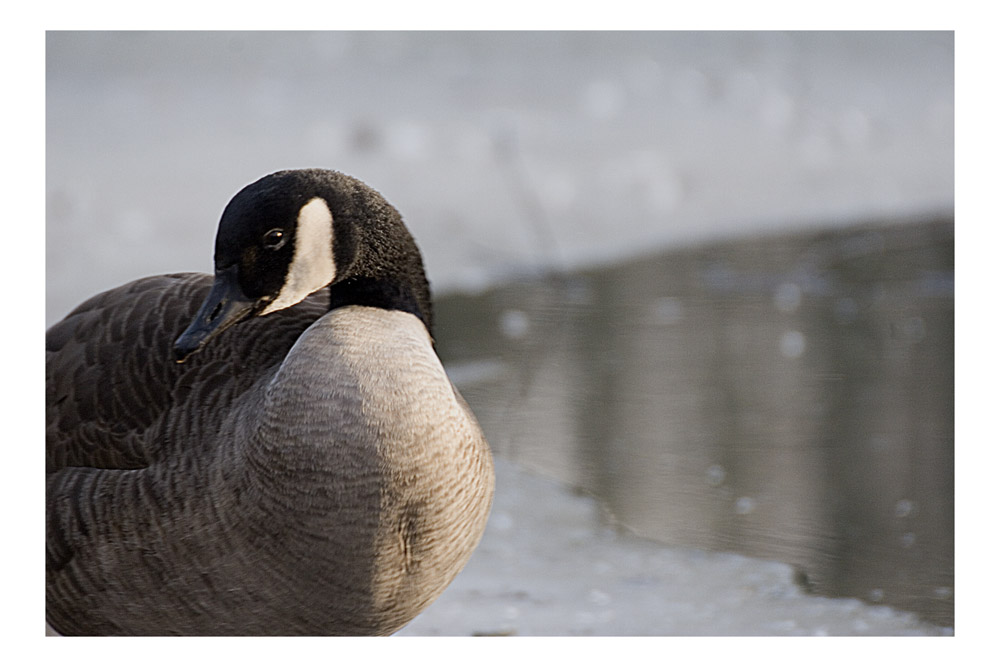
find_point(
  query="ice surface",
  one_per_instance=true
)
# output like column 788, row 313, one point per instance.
column 547, row 566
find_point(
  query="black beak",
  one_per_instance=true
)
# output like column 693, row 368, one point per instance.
column 225, row 306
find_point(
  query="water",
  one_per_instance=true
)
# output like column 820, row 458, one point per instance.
column 787, row 398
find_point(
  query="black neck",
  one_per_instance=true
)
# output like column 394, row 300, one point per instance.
column 380, row 293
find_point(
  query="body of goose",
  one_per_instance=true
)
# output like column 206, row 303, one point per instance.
column 275, row 450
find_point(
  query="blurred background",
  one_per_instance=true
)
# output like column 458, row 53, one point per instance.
column 698, row 288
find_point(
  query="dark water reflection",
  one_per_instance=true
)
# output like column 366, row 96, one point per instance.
column 789, row 398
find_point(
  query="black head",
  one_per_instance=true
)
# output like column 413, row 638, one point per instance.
column 294, row 232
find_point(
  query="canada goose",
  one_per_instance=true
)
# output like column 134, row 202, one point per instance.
column 270, row 462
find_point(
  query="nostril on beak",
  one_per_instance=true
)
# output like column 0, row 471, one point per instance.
column 215, row 311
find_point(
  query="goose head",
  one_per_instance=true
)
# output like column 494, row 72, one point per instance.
column 293, row 233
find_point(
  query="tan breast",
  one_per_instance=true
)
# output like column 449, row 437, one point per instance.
column 362, row 423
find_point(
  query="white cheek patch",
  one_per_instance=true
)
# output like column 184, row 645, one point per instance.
column 312, row 266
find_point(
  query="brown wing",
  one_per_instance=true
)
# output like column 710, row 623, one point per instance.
column 115, row 396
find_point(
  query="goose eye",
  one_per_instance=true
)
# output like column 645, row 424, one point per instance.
column 274, row 239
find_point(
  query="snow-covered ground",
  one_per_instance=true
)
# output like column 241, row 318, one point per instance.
column 504, row 151
column 509, row 153
column 547, row 566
